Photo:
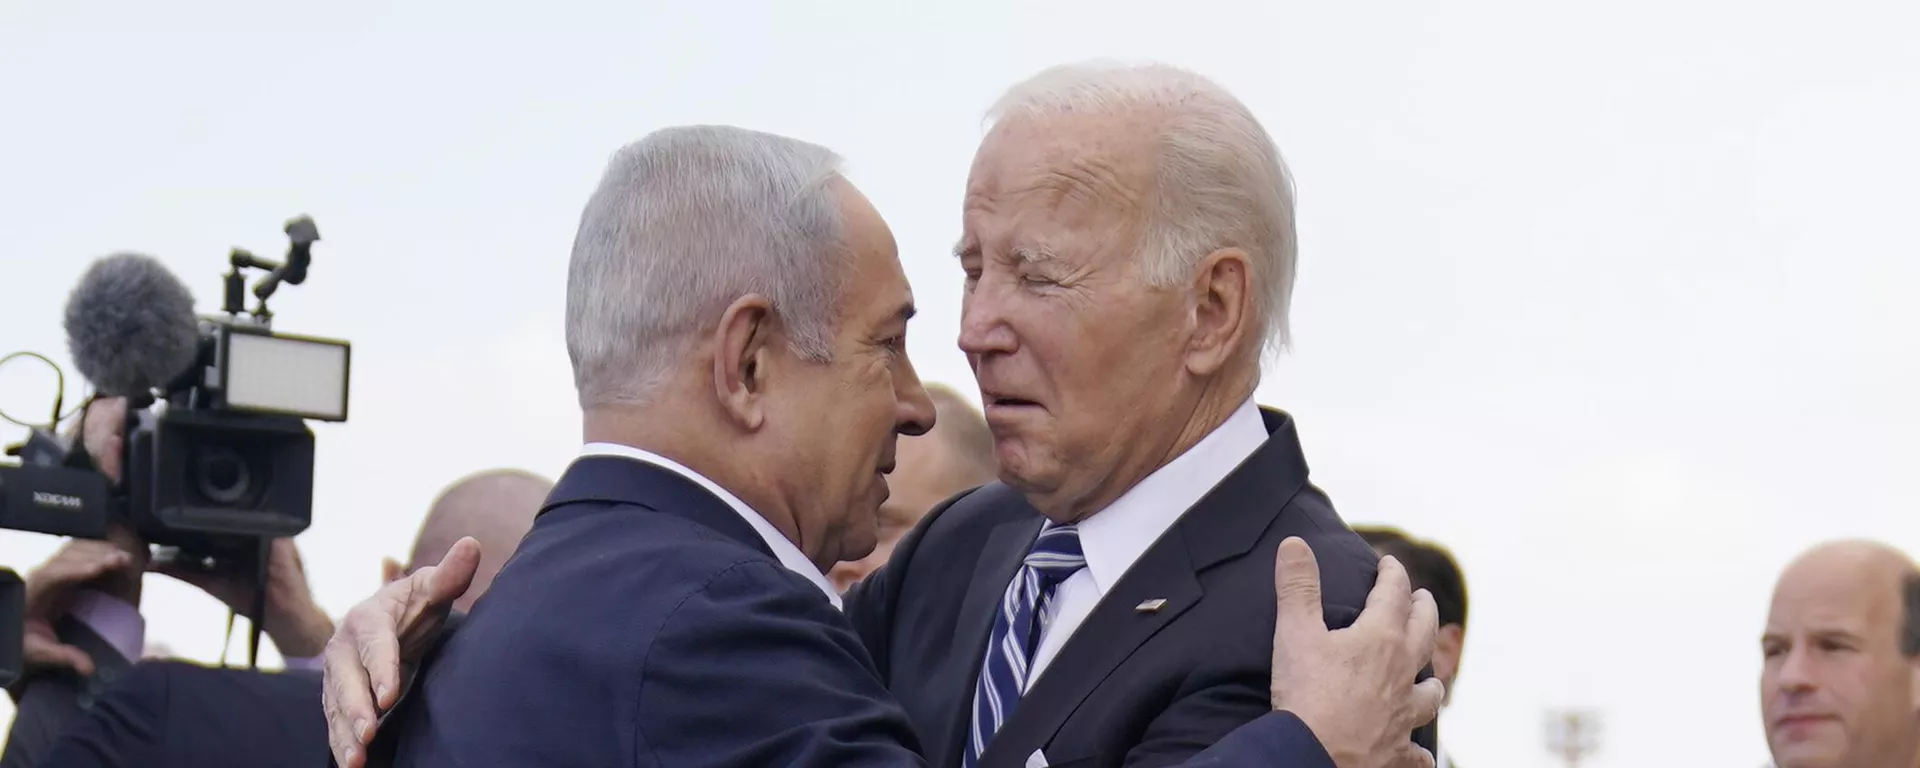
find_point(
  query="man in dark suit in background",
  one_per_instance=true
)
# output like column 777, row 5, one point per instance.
column 741, row 395
column 1432, row 568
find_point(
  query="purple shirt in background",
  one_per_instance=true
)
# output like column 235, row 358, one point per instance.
column 122, row 626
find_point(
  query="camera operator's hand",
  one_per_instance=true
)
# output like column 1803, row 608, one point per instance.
column 395, row 627
column 294, row 621
column 102, row 429
column 50, row 589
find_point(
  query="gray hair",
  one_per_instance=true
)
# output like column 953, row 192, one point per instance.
column 685, row 222
column 1220, row 180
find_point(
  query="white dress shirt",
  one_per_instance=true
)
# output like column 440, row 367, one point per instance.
column 1440, row 758
column 1113, row 538
column 788, row 554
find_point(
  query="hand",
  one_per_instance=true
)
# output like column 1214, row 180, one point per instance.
column 49, row 590
column 394, row 627
column 101, row 430
column 294, row 621
column 1352, row 687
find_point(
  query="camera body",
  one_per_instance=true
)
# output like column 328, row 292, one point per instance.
column 226, row 458
column 218, row 458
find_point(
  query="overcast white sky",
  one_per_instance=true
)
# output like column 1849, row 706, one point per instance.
column 1608, row 297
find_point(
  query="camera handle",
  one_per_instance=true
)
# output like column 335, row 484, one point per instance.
column 260, row 577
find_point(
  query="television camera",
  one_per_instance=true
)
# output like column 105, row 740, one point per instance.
column 217, row 457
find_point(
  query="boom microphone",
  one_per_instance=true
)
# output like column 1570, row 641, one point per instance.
column 130, row 325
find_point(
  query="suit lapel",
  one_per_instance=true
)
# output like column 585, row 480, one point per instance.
column 1223, row 525
column 1006, row 549
column 1116, row 628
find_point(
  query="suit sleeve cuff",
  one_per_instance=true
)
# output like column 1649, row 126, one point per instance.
column 114, row 620
column 301, row 664
column 1277, row 738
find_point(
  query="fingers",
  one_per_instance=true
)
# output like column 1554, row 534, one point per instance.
column 1426, row 698
column 346, row 701
column 1423, row 628
column 1296, row 586
column 39, row 652
column 1390, row 599
column 376, row 646
column 74, row 658
column 451, row 578
column 77, row 562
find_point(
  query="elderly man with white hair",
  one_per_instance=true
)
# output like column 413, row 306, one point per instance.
column 1128, row 248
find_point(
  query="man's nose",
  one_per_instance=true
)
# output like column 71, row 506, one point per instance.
column 1796, row 671
column 915, row 414
column 983, row 326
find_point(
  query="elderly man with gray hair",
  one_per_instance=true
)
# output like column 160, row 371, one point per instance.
column 1128, row 250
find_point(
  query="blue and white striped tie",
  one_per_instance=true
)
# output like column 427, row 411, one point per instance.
column 1016, row 632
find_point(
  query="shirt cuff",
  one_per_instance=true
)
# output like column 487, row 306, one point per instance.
column 116, row 621
column 296, row 664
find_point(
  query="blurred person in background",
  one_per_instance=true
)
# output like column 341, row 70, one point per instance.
column 928, row 469
column 165, row 713
column 1432, row 568
column 1840, row 682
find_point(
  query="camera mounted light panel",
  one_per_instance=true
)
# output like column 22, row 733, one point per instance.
column 258, row 371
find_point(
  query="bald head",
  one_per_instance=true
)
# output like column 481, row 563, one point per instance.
column 1871, row 567
column 495, row 507
column 1841, row 683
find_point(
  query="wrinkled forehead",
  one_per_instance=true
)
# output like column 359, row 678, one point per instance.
column 1074, row 169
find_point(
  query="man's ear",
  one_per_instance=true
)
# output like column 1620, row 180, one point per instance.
column 1448, row 645
column 391, row 570
column 742, row 352
column 1222, row 310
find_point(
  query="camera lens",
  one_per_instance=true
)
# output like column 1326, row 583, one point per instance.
column 222, row 475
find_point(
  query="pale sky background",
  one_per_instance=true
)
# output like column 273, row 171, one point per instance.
column 1607, row 297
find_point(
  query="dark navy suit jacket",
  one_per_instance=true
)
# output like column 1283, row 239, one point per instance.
column 164, row 713
column 1131, row 687
column 643, row 622
column 176, row 714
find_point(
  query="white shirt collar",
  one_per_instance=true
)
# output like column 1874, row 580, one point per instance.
column 783, row 549
column 1113, row 538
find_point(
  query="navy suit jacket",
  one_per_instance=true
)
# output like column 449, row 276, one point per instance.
column 168, row 713
column 642, row 622
column 1130, row 688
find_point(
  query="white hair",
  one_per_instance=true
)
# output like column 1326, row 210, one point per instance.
column 685, row 222
column 1219, row 183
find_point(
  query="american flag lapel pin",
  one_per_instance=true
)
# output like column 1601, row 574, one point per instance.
column 1151, row 606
